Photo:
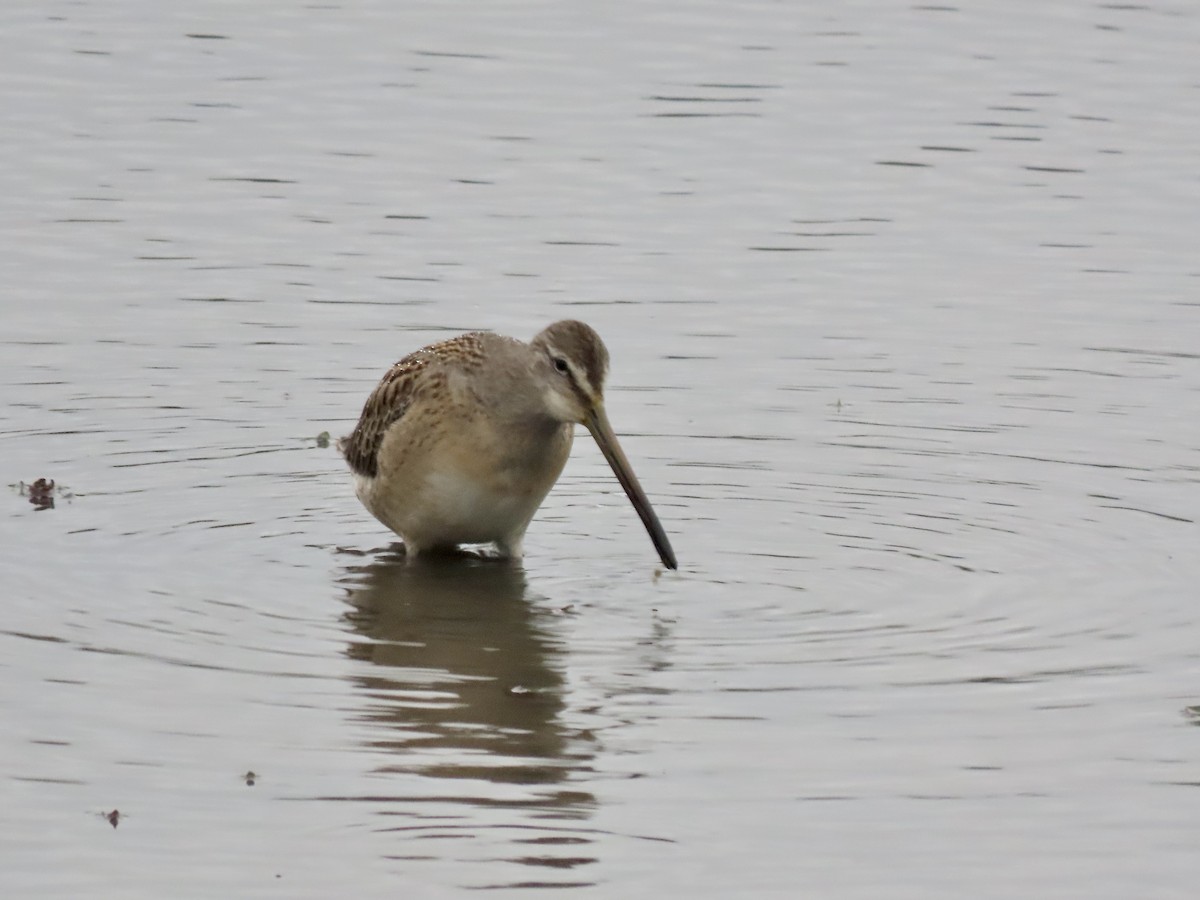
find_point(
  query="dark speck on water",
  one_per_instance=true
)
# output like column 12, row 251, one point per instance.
column 903, row 314
column 41, row 493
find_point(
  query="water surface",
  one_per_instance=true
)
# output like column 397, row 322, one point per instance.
column 902, row 305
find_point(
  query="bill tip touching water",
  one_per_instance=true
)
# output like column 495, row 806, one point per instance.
column 460, row 441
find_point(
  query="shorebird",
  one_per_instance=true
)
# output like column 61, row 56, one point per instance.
column 460, row 442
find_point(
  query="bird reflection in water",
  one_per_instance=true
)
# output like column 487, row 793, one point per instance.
column 468, row 686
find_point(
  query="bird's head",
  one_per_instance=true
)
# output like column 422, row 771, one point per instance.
column 576, row 364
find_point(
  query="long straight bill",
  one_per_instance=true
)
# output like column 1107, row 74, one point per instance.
column 597, row 424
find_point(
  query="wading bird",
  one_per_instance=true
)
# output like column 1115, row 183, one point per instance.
column 460, row 442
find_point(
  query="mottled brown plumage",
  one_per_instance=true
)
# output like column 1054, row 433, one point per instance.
column 460, row 442
column 402, row 385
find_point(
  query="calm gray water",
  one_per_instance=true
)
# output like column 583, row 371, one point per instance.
column 903, row 305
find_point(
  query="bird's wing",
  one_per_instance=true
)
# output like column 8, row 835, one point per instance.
column 396, row 392
column 384, row 407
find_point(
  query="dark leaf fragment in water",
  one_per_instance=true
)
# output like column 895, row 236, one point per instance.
column 40, row 493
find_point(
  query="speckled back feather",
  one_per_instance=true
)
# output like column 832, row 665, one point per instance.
column 396, row 392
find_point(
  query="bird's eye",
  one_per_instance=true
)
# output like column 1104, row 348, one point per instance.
column 561, row 365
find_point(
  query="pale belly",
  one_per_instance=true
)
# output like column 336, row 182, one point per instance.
column 451, row 510
column 453, row 497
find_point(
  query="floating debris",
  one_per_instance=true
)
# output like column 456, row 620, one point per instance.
column 41, row 493
column 323, row 439
column 113, row 817
column 250, row 778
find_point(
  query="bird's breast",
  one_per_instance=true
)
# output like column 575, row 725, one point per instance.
column 467, row 479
